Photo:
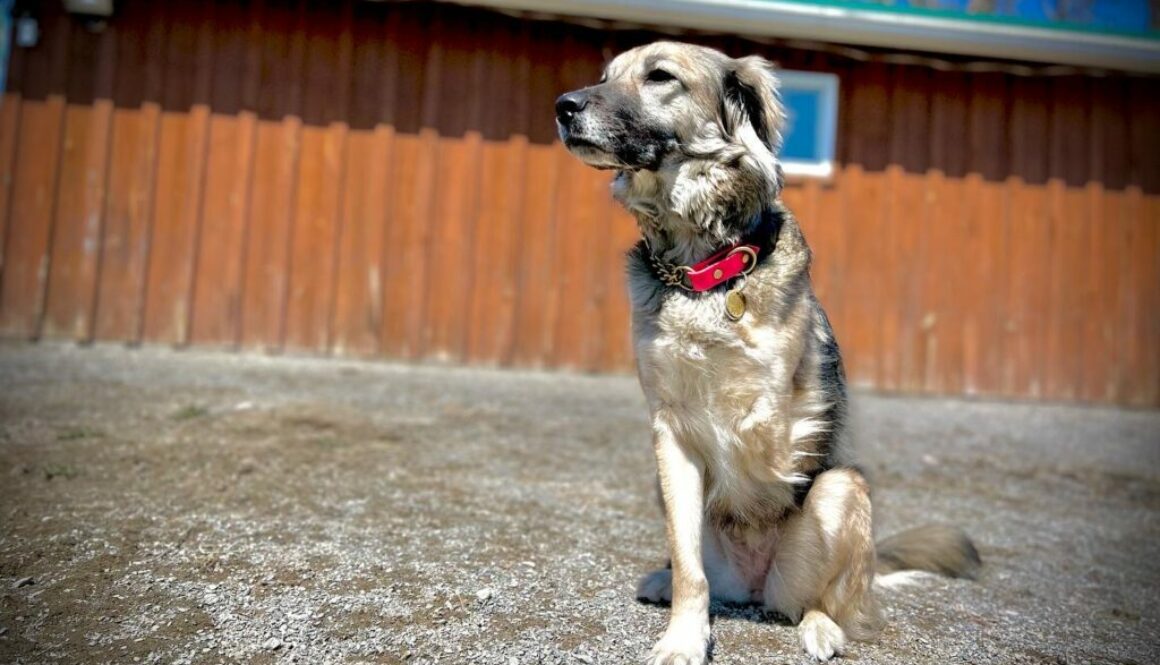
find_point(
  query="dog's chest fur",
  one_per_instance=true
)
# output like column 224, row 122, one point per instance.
column 734, row 392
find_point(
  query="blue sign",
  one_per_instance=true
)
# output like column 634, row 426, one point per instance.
column 1125, row 17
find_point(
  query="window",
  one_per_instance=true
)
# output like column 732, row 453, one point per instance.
column 811, row 103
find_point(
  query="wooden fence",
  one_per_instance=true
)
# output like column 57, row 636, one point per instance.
column 384, row 180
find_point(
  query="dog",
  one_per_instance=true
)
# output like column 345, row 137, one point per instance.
column 744, row 382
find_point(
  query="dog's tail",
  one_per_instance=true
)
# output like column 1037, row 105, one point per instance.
column 937, row 549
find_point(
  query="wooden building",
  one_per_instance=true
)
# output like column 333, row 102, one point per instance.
column 382, row 179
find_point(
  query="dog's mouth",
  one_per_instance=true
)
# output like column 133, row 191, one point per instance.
column 574, row 142
column 590, row 152
column 616, row 148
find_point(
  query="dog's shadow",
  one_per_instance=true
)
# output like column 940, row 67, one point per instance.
column 753, row 612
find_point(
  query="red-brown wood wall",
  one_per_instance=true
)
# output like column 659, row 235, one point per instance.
column 384, row 180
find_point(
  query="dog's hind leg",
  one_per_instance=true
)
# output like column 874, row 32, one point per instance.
column 823, row 571
column 725, row 583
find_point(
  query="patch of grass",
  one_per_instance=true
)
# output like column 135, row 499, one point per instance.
column 66, row 471
column 75, row 433
column 190, row 412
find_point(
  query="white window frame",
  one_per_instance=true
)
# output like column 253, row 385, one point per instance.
column 827, row 125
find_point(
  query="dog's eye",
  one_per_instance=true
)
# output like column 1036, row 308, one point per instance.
column 659, row 76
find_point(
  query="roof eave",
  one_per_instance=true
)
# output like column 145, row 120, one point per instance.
column 793, row 20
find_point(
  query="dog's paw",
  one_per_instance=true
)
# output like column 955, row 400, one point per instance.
column 656, row 587
column 821, row 637
column 684, row 643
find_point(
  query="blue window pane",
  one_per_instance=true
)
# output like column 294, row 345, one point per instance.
column 801, row 135
column 811, row 104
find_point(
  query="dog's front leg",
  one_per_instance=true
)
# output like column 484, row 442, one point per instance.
column 686, row 640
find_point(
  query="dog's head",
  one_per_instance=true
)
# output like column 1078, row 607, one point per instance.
column 693, row 131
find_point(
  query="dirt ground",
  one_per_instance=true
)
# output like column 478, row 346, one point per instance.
column 190, row 507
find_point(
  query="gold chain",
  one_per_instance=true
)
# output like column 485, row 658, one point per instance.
column 670, row 274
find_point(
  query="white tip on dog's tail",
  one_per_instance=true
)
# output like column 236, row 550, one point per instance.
column 933, row 548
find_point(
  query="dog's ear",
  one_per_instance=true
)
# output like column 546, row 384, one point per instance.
column 751, row 95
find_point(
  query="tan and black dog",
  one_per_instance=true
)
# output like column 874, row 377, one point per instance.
column 737, row 360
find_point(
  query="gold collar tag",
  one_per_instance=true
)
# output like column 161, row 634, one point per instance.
column 735, row 303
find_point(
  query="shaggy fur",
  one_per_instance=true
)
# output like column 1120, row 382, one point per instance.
column 762, row 502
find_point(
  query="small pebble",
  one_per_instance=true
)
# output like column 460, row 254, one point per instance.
column 483, row 595
column 272, row 644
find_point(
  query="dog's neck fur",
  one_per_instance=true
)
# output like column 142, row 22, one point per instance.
column 705, row 196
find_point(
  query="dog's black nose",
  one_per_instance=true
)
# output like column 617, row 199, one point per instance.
column 569, row 104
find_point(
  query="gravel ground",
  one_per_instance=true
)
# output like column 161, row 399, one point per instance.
column 191, row 507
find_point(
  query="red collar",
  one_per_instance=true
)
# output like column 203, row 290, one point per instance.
column 719, row 268
column 726, row 264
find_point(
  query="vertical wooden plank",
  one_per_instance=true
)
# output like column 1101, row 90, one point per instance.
column 1130, row 348
column 502, row 172
column 972, row 253
column 81, row 191
column 863, row 185
column 217, row 285
column 985, row 238
column 888, row 227
column 313, row 243
column 34, row 190
column 456, row 111
column 10, row 105
column 132, row 174
column 358, row 304
column 1108, row 171
column 539, row 224
column 275, row 170
column 412, row 167
column 907, row 173
column 1111, row 233
column 893, row 225
column 181, row 171
column 1144, row 198
column 1030, row 239
column 1069, row 272
column 421, row 69
column 339, row 137
column 942, row 322
column 1136, row 345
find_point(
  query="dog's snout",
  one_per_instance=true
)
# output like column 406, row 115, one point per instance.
column 569, row 104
